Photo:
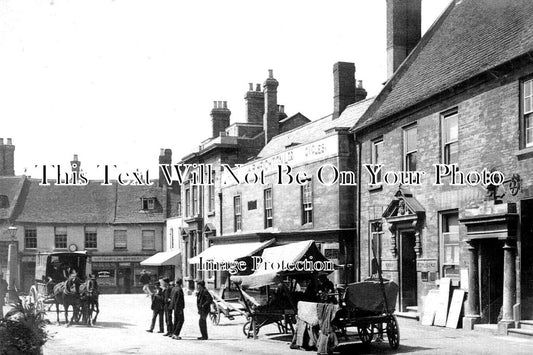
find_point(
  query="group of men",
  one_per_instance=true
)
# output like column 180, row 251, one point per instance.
column 168, row 303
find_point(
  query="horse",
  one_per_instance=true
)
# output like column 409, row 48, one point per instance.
column 67, row 296
column 89, row 301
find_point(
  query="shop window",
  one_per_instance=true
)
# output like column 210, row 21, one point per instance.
column 307, row 202
column 410, row 147
column 237, row 213
column 30, row 238
column 120, row 239
column 90, row 238
column 60, row 238
column 268, row 208
column 148, row 240
column 450, row 137
column 450, row 244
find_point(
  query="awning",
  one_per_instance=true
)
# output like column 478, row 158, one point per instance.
column 162, row 258
column 230, row 252
column 281, row 255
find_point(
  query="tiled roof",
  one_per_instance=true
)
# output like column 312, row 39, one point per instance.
column 10, row 186
column 91, row 204
column 315, row 130
column 471, row 37
column 129, row 208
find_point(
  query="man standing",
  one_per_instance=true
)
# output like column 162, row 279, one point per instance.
column 167, row 290
column 157, row 308
column 177, row 305
column 145, row 281
column 203, row 302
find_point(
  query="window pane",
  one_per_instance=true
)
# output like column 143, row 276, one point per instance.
column 452, row 130
column 410, row 139
column 527, row 87
column 148, row 239
column 120, row 238
column 410, row 163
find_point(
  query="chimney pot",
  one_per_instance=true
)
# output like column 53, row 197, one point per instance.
column 1, row 141
column 9, row 141
column 359, row 84
column 270, row 73
column 75, row 157
column 214, row 104
column 162, row 152
column 257, row 87
column 282, row 109
column 225, row 104
column 251, row 86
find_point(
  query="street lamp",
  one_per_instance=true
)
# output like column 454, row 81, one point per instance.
column 12, row 266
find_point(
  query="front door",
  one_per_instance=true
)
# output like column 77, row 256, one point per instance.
column 408, row 279
column 491, row 281
column 124, row 280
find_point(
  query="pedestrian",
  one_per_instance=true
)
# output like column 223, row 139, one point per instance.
column 145, row 281
column 3, row 292
column 167, row 289
column 203, row 302
column 177, row 305
column 157, row 308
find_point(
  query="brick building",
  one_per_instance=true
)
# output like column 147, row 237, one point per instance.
column 461, row 95
column 229, row 144
column 119, row 226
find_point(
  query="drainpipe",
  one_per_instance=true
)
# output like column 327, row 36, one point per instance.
column 357, row 250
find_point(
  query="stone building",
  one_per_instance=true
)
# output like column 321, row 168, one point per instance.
column 229, row 144
column 460, row 95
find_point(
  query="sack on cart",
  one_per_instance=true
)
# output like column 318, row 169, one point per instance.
column 366, row 297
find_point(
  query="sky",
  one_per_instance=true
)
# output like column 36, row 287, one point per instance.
column 116, row 80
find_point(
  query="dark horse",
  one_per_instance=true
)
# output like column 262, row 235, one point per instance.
column 67, row 297
column 89, row 301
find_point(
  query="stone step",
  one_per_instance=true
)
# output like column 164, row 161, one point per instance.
column 408, row 315
column 487, row 328
column 526, row 324
column 412, row 309
column 521, row 333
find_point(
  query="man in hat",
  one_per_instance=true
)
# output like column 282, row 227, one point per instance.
column 177, row 305
column 157, row 308
column 168, row 311
column 145, row 281
column 73, row 282
column 203, row 302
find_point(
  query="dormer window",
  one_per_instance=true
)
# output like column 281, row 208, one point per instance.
column 148, row 203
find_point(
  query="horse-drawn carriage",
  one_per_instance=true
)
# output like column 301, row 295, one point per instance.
column 62, row 278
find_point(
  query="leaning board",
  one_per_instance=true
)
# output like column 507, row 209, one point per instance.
column 442, row 302
column 430, row 307
column 455, row 308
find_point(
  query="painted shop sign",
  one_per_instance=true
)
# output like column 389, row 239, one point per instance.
column 124, row 258
column 390, row 265
column 427, row 265
column 299, row 155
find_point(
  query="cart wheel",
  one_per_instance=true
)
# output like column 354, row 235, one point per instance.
column 366, row 333
column 247, row 329
column 393, row 332
column 214, row 315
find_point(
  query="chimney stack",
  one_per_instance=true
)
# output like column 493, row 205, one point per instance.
column 281, row 112
column 403, row 31
column 271, row 115
column 343, row 87
column 7, row 158
column 220, row 117
column 255, row 104
column 165, row 157
column 75, row 164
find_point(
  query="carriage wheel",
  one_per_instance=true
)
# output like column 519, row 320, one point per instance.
column 393, row 332
column 247, row 329
column 366, row 333
column 214, row 315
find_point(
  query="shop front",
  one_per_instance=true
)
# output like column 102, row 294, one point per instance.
column 120, row 274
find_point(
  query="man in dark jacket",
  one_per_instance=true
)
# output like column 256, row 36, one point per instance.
column 145, row 281
column 177, row 305
column 167, row 289
column 158, row 306
column 203, row 302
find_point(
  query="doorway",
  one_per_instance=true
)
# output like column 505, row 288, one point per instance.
column 408, row 277
column 491, row 280
column 124, row 279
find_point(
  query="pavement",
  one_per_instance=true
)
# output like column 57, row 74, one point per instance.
column 123, row 320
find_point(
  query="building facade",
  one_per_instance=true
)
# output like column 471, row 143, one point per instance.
column 466, row 105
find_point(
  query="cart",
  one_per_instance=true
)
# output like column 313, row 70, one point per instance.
column 52, row 268
column 227, row 307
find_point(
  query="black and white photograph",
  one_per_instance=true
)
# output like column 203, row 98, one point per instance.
column 266, row 177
